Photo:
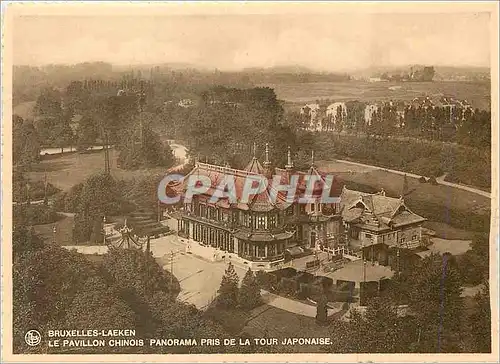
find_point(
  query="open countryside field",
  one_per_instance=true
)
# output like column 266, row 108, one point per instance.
column 477, row 93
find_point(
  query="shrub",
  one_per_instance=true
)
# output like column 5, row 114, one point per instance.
column 288, row 286
column 265, row 280
column 34, row 214
column 422, row 179
column 433, row 181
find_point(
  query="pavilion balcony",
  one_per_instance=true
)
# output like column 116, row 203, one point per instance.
column 215, row 223
column 263, row 259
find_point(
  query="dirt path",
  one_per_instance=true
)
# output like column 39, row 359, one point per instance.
column 440, row 180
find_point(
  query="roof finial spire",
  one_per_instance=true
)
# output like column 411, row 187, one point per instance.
column 254, row 150
column 289, row 164
column 312, row 158
column 267, row 163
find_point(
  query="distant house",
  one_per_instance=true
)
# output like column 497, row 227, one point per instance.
column 336, row 110
column 185, row 103
column 376, row 79
column 370, row 111
column 312, row 113
column 400, row 112
column 378, row 225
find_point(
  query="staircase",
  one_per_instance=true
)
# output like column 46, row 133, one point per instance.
column 143, row 223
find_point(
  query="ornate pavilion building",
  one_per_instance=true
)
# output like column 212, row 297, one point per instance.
column 262, row 231
column 378, row 226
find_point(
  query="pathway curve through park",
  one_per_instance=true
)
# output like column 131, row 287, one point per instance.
column 440, row 179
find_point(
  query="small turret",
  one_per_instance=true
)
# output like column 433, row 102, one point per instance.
column 289, row 164
column 267, row 162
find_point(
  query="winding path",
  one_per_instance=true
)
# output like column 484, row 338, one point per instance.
column 440, row 180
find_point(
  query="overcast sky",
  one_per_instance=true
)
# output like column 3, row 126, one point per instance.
column 330, row 42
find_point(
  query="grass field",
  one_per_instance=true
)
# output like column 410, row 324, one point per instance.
column 477, row 93
column 68, row 170
column 446, row 231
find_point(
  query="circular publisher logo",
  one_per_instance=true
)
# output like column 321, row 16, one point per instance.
column 33, row 338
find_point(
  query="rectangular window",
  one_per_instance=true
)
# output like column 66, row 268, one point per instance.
column 289, row 211
column 261, row 221
column 312, row 207
column 272, row 221
column 368, row 236
column 261, row 252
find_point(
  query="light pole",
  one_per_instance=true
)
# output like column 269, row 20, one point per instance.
column 171, row 268
column 363, row 253
column 159, row 211
column 104, row 230
column 54, row 230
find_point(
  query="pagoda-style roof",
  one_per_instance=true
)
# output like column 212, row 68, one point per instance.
column 254, row 166
column 335, row 191
column 376, row 211
column 261, row 202
column 256, row 202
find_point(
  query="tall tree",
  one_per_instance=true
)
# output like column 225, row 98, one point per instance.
column 249, row 293
column 480, row 321
column 322, row 310
column 435, row 297
column 87, row 133
column 98, row 197
column 49, row 103
column 228, row 290
column 25, row 142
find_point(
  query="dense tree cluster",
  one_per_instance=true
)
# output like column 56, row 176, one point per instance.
column 245, row 297
column 448, row 123
column 25, row 142
column 435, row 320
column 54, row 287
column 474, row 263
column 92, row 112
column 462, row 164
column 24, row 190
column 92, row 200
column 227, row 121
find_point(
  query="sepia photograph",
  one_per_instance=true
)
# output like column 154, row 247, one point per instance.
column 272, row 182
